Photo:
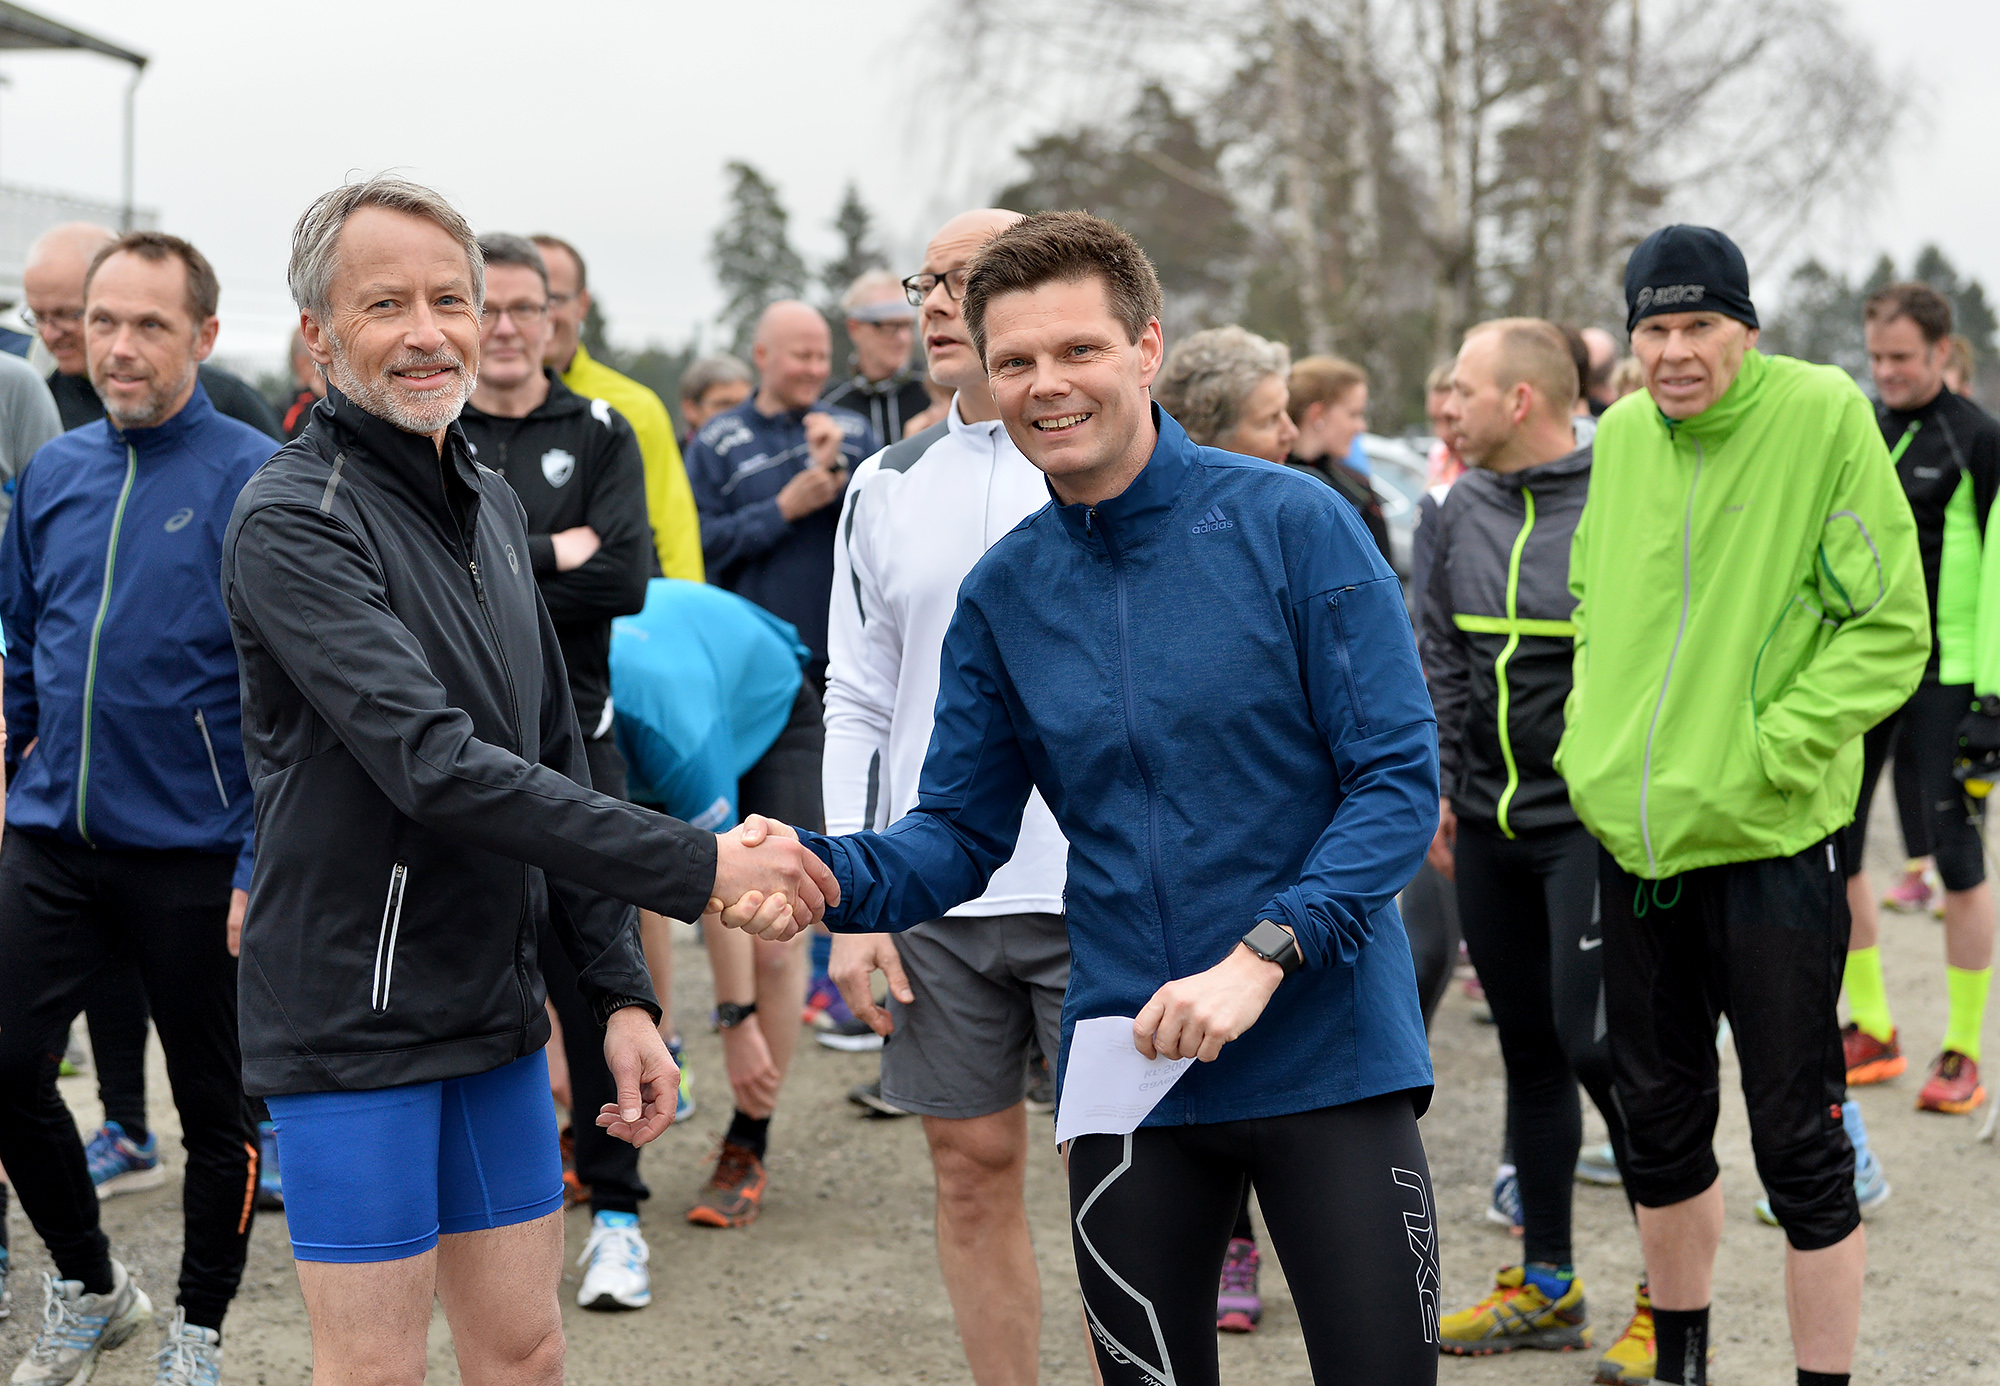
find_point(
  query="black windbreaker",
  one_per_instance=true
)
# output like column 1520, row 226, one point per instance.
column 1937, row 448
column 575, row 461
column 418, row 767
column 1498, row 642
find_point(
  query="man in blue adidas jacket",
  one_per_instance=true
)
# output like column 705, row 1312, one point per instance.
column 1204, row 665
column 129, row 815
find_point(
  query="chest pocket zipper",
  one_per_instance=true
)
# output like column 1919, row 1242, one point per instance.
column 214, row 766
column 385, row 940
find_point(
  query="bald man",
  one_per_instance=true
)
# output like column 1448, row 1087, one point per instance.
column 52, row 283
column 768, row 476
column 1497, row 651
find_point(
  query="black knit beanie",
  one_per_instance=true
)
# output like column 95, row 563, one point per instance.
column 1687, row 269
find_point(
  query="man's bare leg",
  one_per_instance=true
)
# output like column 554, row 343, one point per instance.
column 657, row 938
column 1823, row 1301
column 781, row 995
column 984, row 1249
column 1865, row 926
column 1968, row 927
column 499, row 1289
column 370, row 1322
column 1680, row 1242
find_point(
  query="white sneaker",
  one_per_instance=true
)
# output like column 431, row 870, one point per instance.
column 614, row 1265
column 190, row 1356
column 76, row 1327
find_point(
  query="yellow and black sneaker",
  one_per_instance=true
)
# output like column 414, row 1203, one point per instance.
column 1517, row 1315
column 1629, row 1361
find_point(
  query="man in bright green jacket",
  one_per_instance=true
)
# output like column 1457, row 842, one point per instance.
column 1749, row 601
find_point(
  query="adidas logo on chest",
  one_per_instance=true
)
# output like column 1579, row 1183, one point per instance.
column 1213, row 521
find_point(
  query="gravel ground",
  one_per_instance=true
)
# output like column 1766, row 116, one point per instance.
column 837, row 1281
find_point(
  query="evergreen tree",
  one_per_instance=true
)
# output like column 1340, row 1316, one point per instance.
column 858, row 250
column 754, row 261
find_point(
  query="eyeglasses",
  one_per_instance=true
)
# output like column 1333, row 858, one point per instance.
column 523, row 314
column 918, row 286
column 55, row 317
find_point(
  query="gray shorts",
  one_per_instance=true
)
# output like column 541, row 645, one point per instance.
column 984, row 987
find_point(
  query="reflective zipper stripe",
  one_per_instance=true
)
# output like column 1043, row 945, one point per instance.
column 1507, row 653
column 1903, row 443
column 385, row 940
column 96, row 631
column 1507, row 625
column 1680, row 634
column 214, row 766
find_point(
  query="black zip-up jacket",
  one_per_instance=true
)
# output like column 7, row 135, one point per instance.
column 575, row 461
column 418, row 768
column 1498, row 641
column 1937, row 448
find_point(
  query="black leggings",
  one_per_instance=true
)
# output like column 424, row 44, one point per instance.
column 1922, row 736
column 118, row 1015
column 65, row 912
column 1346, row 1193
column 1529, row 907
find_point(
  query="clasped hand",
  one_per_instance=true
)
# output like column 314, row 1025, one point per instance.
column 767, row 883
column 1193, row 1017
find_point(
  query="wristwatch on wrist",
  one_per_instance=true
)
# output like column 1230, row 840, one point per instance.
column 1274, row 944
column 729, row 1015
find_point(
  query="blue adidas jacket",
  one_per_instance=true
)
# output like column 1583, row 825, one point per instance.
column 1213, row 682
column 736, row 466
column 120, row 665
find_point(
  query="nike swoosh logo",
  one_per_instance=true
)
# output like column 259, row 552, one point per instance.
column 1584, row 945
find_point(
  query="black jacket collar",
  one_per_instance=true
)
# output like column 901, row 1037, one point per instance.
column 409, row 462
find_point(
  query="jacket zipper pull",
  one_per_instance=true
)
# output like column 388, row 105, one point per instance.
column 478, row 587
column 1089, row 516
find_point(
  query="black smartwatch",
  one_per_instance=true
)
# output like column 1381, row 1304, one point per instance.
column 1274, row 944
column 729, row 1015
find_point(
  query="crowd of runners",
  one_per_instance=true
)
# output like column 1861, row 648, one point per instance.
column 367, row 745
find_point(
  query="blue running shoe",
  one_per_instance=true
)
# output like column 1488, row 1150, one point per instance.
column 684, row 1098
column 1505, row 1209
column 270, row 1184
column 119, row 1164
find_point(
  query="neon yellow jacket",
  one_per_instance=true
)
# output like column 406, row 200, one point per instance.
column 669, row 500
column 1749, row 601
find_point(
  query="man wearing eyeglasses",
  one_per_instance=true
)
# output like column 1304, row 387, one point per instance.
column 52, row 284
column 882, row 325
column 576, row 466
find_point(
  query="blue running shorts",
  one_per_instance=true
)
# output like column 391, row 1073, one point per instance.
column 378, row 1175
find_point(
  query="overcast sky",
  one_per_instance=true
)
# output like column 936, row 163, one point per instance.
column 608, row 121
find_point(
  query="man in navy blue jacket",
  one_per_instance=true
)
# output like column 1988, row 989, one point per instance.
column 768, row 476
column 1204, row 665
column 129, row 816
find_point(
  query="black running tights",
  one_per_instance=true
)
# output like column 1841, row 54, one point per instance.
column 1528, row 905
column 1346, row 1194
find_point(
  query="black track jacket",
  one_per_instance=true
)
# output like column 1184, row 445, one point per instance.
column 417, row 765
column 575, row 461
column 1498, row 643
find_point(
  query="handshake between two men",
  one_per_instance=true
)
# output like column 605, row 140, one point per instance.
column 766, row 884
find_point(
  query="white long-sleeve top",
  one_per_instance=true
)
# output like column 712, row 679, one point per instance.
column 917, row 517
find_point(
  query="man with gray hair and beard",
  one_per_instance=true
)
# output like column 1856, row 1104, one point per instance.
column 423, row 813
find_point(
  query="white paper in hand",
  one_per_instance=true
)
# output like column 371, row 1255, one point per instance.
column 1108, row 1085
